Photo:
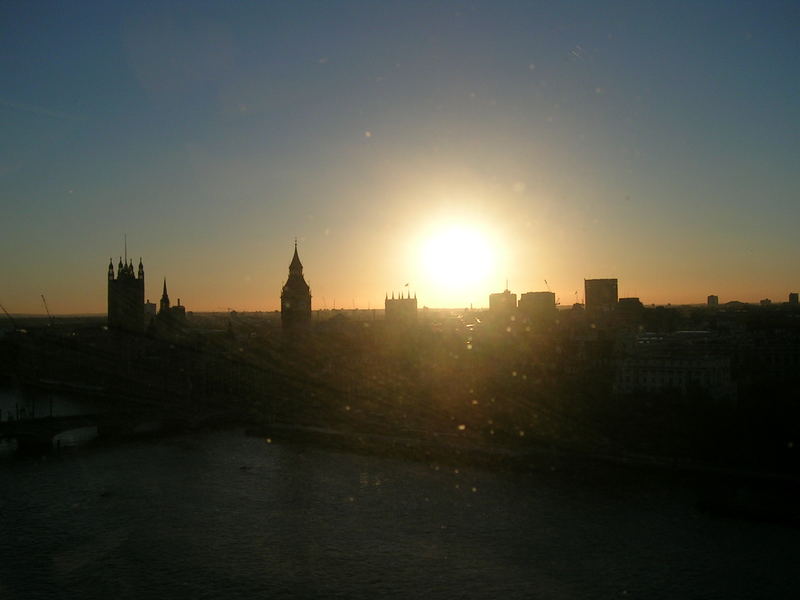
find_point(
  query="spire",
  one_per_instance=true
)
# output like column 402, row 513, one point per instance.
column 296, row 267
column 141, row 269
column 296, row 295
column 110, row 268
column 164, row 304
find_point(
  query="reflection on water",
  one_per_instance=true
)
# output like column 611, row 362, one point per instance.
column 14, row 403
column 75, row 437
column 7, row 447
column 222, row 515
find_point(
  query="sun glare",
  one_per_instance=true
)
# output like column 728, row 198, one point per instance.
column 458, row 263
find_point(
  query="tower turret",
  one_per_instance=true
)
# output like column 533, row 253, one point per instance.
column 125, row 297
column 295, row 296
column 400, row 309
column 141, row 269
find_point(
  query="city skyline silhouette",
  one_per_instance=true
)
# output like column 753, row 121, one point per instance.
column 352, row 299
column 579, row 296
column 576, row 143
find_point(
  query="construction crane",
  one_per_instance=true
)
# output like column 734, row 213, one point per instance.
column 547, row 285
column 10, row 318
column 47, row 310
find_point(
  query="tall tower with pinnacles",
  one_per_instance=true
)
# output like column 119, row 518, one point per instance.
column 126, row 296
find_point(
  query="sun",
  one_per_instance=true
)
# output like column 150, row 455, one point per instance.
column 458, row 263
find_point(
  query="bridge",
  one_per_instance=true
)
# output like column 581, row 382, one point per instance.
column 38, row 434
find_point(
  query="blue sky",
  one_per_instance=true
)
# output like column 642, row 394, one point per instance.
column 654, row 143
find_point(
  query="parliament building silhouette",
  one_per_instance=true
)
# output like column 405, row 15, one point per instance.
column 126, row 297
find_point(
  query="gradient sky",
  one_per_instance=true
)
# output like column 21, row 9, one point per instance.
column 654, row 142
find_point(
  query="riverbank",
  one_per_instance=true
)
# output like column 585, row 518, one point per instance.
column 530, row 456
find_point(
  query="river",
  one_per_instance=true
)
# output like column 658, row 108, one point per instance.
column 14, row 404
column 222, row 515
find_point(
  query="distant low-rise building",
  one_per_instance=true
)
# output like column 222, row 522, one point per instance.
column 793, row 299
column 768, row 357
column 400, row 310
column 712, row 300
column 630, row 304
column 150, row 311
column 679, row 362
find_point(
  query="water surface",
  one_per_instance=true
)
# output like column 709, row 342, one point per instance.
column 223, row 515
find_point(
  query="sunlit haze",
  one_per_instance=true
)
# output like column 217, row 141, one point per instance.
column 451, row 147
column 458, row 264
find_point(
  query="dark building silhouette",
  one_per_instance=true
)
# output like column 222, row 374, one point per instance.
column 126, row 297
column 401, row 310
column 630, row 304
column 174, row 313
column 149, row 310
column 503, row 302
column 601, row 295
column 712, row 300
column 680, row 361
column 170, row 320
column 537, row 305
column 163, row 305
column 629, row 311
column 793, row 298
column 295, row 297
